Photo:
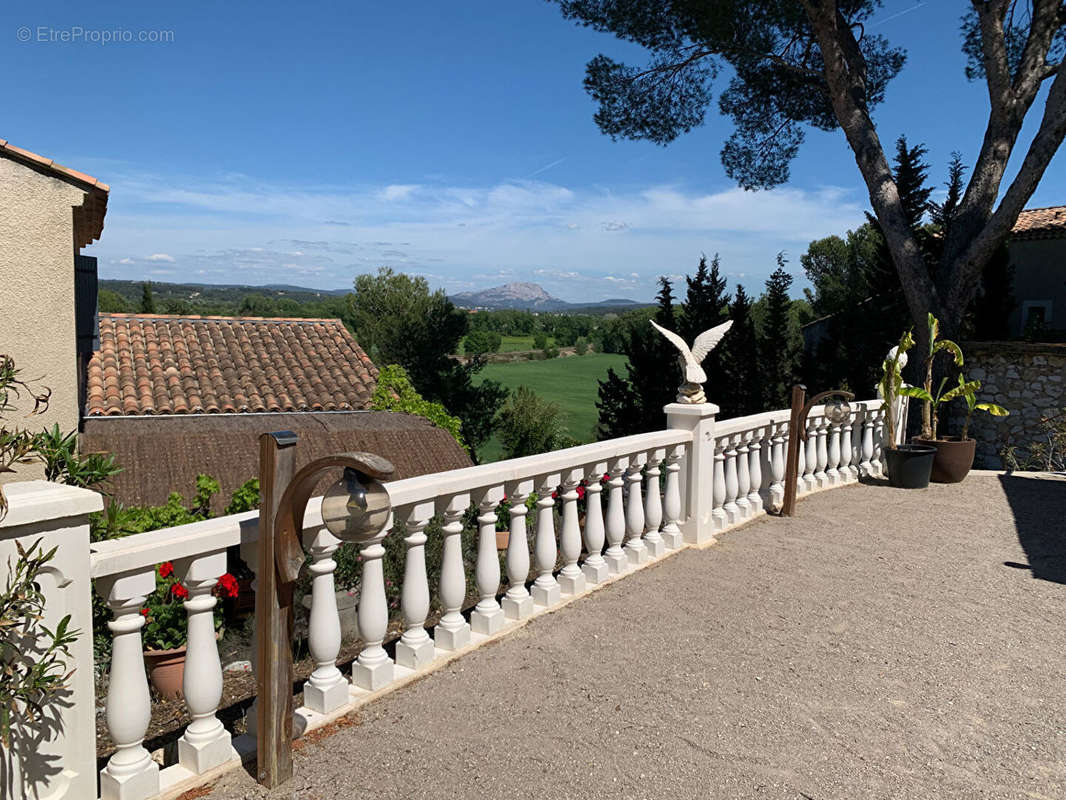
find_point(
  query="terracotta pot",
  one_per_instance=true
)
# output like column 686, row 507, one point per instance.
column 954, row 457
column 166, row 671
column 909, row 465
column 502, row 538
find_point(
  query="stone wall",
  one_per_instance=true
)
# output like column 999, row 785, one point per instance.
column 1028, row 379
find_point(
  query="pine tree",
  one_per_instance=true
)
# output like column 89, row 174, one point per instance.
column 942, row 213
column 911, row 175
column 705, row 300
column 147, row 301
column 777, row 351
column 742, row 389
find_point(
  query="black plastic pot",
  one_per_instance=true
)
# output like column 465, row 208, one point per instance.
column 909, row 465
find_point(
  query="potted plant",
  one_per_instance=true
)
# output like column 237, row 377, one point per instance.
column 165, row 631
column 954, row 454
column 909, row 465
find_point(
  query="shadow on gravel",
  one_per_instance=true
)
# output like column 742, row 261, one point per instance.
column 1039, row 508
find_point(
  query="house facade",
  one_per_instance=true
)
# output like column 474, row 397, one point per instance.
column 1038, row 255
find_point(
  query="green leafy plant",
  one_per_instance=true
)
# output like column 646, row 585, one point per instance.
column 63, row 463
column 33, row 658
column 244, row 498
column 936, row 401
column 891, row 385
column 1047, row 454
column 967, row 390
column 395, row 392
column 16, row 445
column 165, row 625
column 929, row 402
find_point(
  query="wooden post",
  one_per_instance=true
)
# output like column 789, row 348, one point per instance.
column 273, row 618
column 799, row 394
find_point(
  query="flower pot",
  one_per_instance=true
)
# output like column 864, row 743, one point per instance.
column 954, row 458
column 502, row 539
column 166, row 671
column 910, row 465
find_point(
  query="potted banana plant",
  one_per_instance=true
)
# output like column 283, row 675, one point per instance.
column 954, row 454
column 909, row 465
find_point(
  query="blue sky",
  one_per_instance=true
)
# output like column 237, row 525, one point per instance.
column 305, row 144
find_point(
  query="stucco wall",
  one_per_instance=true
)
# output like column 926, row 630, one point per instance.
column 1039, row 276
column 37, row 292
column 1029, row 380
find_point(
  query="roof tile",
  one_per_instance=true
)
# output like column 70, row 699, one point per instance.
column 1041, row 223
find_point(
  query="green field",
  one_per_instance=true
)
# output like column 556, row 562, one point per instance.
column 569, row 382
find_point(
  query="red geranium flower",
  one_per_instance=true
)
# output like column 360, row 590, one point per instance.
column 580, row 492
column 227, row 586
column 144, row 612
column 166, row 569
column 179, row 591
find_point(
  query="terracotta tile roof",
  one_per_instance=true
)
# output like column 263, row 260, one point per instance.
column 156, row 364
column 88, row 217
column 1041, row 223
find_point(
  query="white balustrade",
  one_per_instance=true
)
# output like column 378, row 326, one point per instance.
column 634, row 547
column 571, row 578
column 801, row 467
column 615, row 556
column 821, row 478
column 452, row 632
column 546, row 591
column 777, row 467
column 866, row 468
column 743, row 476
column 811, row 456
column 755, row 472
column 833, row 464
column 846, row 451
column 671, row 532
column 517, row 602
column 718, row 513
column 595, row 567
column 373, row 668
column 653, row 505
column 415, row 648
column 205, row 743
column 130, row 774
column 731, row 507
column 487, row 616
column 879, row 443
column 326, row 689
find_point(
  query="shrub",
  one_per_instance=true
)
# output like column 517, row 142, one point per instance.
column 394, row 392
column 166, row 625
column 529, row 424
column 581, row 346
column 482, row 341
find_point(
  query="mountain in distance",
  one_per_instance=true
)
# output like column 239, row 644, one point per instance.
column 529, row 297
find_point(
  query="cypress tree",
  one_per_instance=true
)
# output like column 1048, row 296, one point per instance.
column 777, row 352
column 742, row 391
column 147, row 301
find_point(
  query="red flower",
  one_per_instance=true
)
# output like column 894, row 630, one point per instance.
column 144, row 612
column 580, row 492
column 227, row 586
column 179, row 591
column 166, row 569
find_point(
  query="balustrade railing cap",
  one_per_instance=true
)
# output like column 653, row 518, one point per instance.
column 39, row 501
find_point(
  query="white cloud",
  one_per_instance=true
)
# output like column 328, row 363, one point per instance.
column 161, row 257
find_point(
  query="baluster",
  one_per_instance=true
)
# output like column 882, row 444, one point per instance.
column 718, row 514
column 811, row 457
column 671, row 533
column 846, row 450
column 130, row 774
column 571, row 578
column 866, row 465
column 546, row 591
column 833, row 473
column 415, row 648
column 517, row 604
column 755, row 472
column 452, row 632
column 653, row 505
column 325, row 689
column 879, row 442
column 617, row 560
column 373, row 668
column 731, row 508
column 205, row 743
column 595, row 567
column 743, row 476
column 487, row 616
column 820, row 476
column 801, row 467
column 777, row 467
column 635, row 549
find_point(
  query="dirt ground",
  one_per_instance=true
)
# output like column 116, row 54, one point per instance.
column 881, row 644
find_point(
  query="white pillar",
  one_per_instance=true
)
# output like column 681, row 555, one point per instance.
column 671, row 533
column 718, row 513
column 866, row 466
column 58, row 763
column 731, row 507
column 811, row 457
column 487, row 616
column 617, row 560
column 373, row 668
column 820, row 476
column 326, row 689
column 847, row 474
column 130, row 774
column 743, row 476
column 635, row 549
column 755, row 471
column 697, row 469
column 653, row 505
column 415, row 648
column 878, row 461
column 833, row 472
column 205, row 743
column 546, row 590
column 777, row 467
column 801, row 466
column 571, row 578
column 517, row 604
column 452, row 632
column 595, row 567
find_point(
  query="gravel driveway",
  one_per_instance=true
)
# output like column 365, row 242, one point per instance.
column 882, row 644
